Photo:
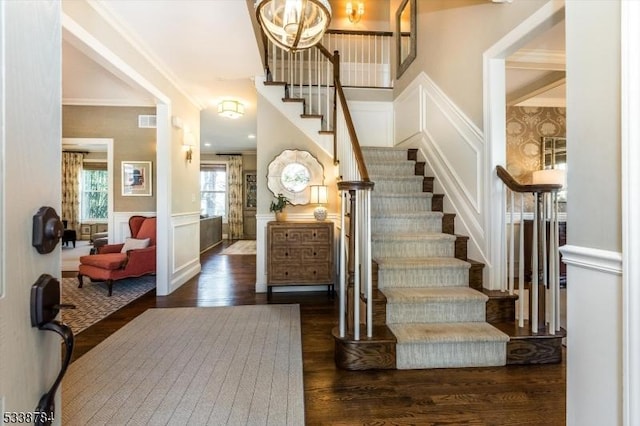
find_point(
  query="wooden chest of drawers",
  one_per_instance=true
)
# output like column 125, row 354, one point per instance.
column 299, row 253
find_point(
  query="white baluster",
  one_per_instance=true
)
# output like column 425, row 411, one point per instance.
column 553, row 250
column 343, row 263
column 367, row 265
column 534, row 267
column 356, row 272
column 521, row 266
column 512, row 243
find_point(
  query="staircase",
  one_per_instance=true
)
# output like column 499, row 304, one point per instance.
column 430, row 307
column 438, row 320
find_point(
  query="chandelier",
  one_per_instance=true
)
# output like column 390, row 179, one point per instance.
column 294, row 24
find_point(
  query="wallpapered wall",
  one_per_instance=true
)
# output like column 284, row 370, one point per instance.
column 525, row 128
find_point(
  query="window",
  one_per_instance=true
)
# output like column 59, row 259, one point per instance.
column 94, row 195
column 213, row 190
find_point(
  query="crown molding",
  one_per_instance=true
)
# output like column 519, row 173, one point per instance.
column 540, row 59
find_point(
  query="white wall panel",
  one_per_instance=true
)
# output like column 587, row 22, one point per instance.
column 373, row 122
column 185, row 228
column 407, row 113
column 594, row 343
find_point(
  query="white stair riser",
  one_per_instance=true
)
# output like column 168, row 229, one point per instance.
column 381, row 204
column 450, row 355
column 404, row 226
column 416, row 248
column 397, row 186
column 431, row 277
column 392, row 169
column 436, row 312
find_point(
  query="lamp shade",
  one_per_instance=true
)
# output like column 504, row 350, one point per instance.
column 231, row 109
column 294, row 24
column 319, row 194
column 549, row 176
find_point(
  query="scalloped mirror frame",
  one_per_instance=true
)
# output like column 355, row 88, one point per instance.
column 277, row 167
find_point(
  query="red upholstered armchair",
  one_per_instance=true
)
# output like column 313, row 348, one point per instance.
column 110, row 264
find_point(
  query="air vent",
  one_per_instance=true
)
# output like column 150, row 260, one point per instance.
column 147, row 121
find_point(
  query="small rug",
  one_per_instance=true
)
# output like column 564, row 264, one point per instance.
column 93, row 303
column 241, row 247
column 234, row 365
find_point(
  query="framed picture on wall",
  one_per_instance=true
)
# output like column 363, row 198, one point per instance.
column 136, row 178
column 250, row 191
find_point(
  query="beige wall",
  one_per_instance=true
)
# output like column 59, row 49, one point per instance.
column 184, row 187
column 129, row 144
column 593, row 124
column 452, row 36
column 275, row 134
column 376, row 16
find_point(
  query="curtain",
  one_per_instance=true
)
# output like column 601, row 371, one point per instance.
column 236, row 228
column 71, row 169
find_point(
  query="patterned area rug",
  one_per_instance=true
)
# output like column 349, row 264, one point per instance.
column 241, row 247
column 232, row 365
column 92, row 302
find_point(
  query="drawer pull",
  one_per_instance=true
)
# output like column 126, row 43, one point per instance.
column 315, row 254
column 314, row 234
column 286, row 253
column 286, row 235
column 314, row 272
column 286, row 273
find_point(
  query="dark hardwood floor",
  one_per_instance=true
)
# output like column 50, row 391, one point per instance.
column 512, row 395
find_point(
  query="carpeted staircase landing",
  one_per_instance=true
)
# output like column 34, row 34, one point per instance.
column 438, row 320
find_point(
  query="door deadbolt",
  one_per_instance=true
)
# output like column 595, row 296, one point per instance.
column 47, row 230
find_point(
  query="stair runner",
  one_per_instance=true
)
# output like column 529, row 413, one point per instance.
column 438, row 320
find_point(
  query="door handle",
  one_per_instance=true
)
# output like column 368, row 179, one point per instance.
column 45, row 306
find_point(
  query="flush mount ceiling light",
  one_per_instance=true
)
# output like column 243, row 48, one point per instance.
column 230, row 109
column 294, row 24
column 355, row 13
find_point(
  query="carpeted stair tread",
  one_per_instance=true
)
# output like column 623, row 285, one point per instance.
column 447, row 333
column 421, row 262
column 434, row 294
column 417, row 236
column 407, row 215
column 376, row 177
column 402, row 195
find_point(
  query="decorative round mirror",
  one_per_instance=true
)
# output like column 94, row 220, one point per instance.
column 292, row 172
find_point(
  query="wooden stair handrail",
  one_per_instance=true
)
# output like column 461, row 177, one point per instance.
column 360, row 32
column 516, row 186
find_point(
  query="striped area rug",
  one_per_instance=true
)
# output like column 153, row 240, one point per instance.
column 238, row 365
column 93, row 304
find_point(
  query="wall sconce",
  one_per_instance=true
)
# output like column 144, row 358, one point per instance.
column 188, row 141
column 230, row 109
column 188, row 152
column 319, row 196
column 355, row 13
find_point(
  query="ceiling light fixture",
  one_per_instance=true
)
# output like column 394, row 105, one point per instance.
column 230, row 109
column 355, row 13
column 294, row 24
